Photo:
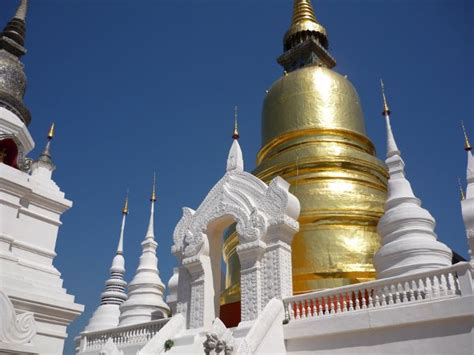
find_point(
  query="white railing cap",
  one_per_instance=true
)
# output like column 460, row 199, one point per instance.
column 458, row 267
column 124, row 328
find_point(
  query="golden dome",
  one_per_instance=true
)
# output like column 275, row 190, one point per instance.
column 313, row 136
column 312, row 97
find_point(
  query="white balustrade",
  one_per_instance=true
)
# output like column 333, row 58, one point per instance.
column 452, row 281
column 123, row 336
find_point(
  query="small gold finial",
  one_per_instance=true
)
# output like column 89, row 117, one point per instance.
column 153, row 191
column 461, row 190
column 386, row 110
column 235, row 134
column 467, row 145
column 125, row 205
column 304, row 20
column 303, row 11
column 51, row 132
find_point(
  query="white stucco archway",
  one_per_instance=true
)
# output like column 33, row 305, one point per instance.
column 266, row 217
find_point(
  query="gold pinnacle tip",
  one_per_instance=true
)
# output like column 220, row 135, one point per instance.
column 303, row 11
column 386, row 110
column 461, row 190
column 153, row 191
column 51, row 132
column 304, row 20
column 125, row 205
column 467, row 145
column 235, row 134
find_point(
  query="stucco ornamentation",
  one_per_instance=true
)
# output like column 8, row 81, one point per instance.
column 266, row 221
column 219, row 339
column 15, row 329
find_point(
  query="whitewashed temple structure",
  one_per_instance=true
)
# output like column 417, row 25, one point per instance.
column 419, row 300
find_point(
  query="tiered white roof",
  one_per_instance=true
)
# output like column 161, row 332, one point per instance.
column 107, row 314
column 146, row 290
column 409, row 242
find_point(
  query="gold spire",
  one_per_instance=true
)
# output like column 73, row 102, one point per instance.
column 386, row 110
column 125, row 205
column 46, row 154
column 467, row 145
column 235, row 134
column 461, row 190
column 303, row 11
column 304, row 20
column 153, row 191
column 51, row 132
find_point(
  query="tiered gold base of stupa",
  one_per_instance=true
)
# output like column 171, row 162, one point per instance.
column 314, row 137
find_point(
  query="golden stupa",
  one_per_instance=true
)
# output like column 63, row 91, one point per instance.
column 313, row 135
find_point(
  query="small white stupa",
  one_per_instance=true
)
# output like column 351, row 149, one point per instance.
column 107, row 314
column 409, row 242
column 145, row 291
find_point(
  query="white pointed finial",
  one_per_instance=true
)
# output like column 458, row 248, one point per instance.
column 151, row 229
column 235, row 160
column 21, row 11
column 392, row 148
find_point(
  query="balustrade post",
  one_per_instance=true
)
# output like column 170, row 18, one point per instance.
column 370, row 292
column 465, row 280
column 338, row 304
column 451, row 284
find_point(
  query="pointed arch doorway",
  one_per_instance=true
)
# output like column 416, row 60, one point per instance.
column 266, row 221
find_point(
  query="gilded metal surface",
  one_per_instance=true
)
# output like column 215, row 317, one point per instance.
column 51, row 131
column 467, row 144
column 304, row 20
column 386, row 110
column 309, row 98
column 313, row 136
column 125, row 205
column 231, row 293
column 153, row 190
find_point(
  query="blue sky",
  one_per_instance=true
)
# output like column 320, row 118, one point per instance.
column 141, row 86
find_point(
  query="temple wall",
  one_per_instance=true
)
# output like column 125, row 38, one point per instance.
column 443, row 327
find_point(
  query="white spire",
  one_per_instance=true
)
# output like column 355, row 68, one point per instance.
column 146, row 290
column 107, row 314
column 21, row 10
column 392, row 148
column 467, row 204
column 150, row 233
column 409, row 242
column 235, row 160
column 122, row 228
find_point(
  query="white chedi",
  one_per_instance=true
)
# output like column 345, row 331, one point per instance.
column 107, row 315
column 467, row 202
column 409, row 242
column 172, row 297
column 145, row 291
